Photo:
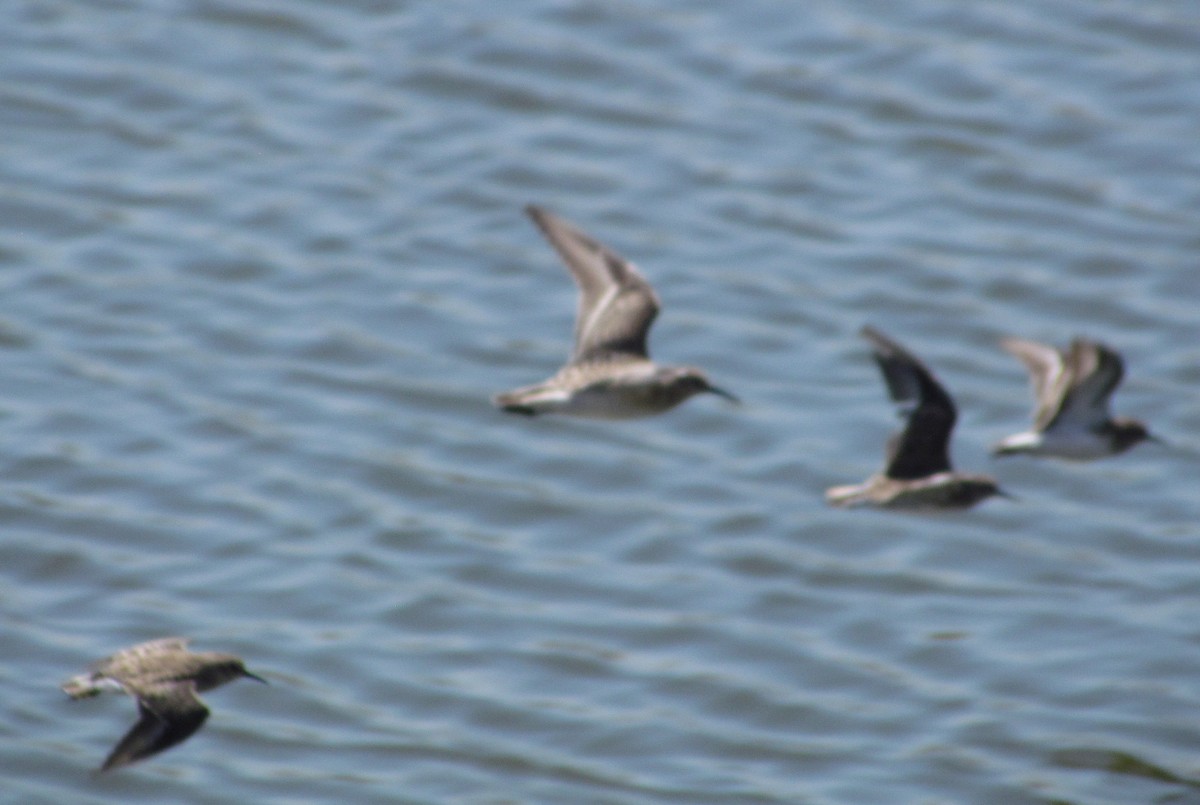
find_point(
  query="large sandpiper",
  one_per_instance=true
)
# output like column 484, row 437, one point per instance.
column 610, row 374
column 164, row 677
column 918, row 473
column 1071, row 415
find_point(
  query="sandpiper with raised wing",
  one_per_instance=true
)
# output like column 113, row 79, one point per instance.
column 918, row 473
column 610, row 374
column 1072, row 389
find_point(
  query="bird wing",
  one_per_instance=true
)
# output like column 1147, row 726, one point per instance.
column 1048, row 373
column 616, row 303
column 1095, row 372
column 168, row 714
column 922, row 448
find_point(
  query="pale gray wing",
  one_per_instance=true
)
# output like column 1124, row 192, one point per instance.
column 616, row 304
column 1047, row 373
column 1095, row 372
column 922, row 448
column 168, row 714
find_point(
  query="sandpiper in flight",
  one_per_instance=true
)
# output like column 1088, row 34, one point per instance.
column 918, row 473
column 164, row 677
column 610, row 374
column 1072, row 388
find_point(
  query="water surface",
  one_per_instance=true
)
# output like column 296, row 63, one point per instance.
column 263, row 264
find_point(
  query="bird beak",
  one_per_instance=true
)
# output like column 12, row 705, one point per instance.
column 720, row 392
column 255, row 677
column 1150, row 437
column 1006, row 495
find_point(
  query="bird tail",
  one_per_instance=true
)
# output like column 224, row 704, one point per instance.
column 81, row 687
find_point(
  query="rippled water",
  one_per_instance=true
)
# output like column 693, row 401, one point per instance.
column 263, row 264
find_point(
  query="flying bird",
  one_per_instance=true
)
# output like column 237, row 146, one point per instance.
column 1072, row 388
column 164, row 677
column 918, row 473
column 609, row 374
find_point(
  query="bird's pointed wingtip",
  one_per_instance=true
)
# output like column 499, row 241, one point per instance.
column 884, row 346
column 113, row 761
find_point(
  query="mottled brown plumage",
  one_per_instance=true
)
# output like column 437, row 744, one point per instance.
column 164, row 677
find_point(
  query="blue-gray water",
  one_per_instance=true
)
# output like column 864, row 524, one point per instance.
column 263, row 263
